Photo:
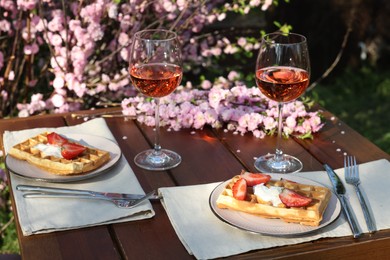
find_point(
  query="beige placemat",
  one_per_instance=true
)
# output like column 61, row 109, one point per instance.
column 45, row 215
column 206, row 237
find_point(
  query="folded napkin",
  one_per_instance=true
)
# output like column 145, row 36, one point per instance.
column 206, row 237
column 43, row 215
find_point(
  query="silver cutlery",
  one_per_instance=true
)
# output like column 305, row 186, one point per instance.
column 351, row 172
column 119, row 199
column 339, row 189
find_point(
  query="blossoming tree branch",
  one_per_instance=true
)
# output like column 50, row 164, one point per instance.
column 61, row 56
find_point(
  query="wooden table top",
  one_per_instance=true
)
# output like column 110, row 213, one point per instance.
column 208, row 155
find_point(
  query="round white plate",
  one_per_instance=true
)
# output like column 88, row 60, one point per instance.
column 27, row 170
column 274, row 227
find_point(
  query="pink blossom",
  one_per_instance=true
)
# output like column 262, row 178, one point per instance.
column 11, row 75
column 242, row 41
column 23, row 112
column 186, row 120
column 80, row 89
column 63, row 109
column 5, row 26
column 58, row 62
column 269, row 123
column 255, row 120
column 26, row 5
column 55, row 39
column 230, row 49
column 210, row 116
column 123, row 39
column 233, row 75
column 31, row 49
column 113, row 11
column 56, row 24
column 4, row 95
column 74, row 24
column 226, row 114
column 58, row 82
column 266, row 4
column 291, row 122
column 149, row 121
column 315, row 122
column 259, row 134
column 8, row 5
column 95, row 31
column 304, row 127
column 221, row 16
column 199, row 120
column 58, row 100
column 37, row 104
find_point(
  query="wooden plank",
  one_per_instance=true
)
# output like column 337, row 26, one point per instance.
column 85, row 243
column 204, row 158
column 336, row 140
column 247, row 148
column 150, row 239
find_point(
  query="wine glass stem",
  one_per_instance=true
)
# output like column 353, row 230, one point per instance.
column 279, row 152
column 157, row 146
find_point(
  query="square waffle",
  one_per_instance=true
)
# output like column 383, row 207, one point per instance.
column 89, row 160
column 310, row 215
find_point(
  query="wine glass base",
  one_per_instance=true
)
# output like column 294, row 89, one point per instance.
column 267, row 164
column 157, row 161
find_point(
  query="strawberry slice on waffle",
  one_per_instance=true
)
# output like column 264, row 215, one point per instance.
column 291, row 198
column 253, row 179
column 239, row 189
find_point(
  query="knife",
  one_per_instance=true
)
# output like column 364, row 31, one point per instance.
column 109, row 195
column 339, row 189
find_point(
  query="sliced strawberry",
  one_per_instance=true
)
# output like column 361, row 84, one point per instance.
column 239, row 189
column 292, row 199
column 71, row 150
column 55, row 139
column 253, row 179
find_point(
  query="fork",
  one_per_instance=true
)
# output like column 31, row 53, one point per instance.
column 120, row 203
column 352, row 177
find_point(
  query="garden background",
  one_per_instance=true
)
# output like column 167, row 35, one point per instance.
column 42, row 72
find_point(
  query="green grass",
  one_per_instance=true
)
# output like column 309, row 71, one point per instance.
column 8, row 237
column 361, row 98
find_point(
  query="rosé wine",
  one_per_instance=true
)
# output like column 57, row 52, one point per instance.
column 282, row 84
column 156, row 79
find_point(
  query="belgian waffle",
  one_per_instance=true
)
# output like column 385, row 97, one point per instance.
column 89, row 160
column 310, row 215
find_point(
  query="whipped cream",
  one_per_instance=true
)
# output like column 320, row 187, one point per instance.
column 49, row 150
column 268, row 194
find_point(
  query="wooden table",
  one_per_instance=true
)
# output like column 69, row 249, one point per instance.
column 208, row 156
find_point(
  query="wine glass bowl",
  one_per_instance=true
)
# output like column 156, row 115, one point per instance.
column 155, row 68
column 282, row 75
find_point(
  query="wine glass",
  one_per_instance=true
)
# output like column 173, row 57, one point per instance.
column 282, row 74
column 155, row 70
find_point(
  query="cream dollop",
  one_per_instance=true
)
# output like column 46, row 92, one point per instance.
column 49, row 150
column 268, row 194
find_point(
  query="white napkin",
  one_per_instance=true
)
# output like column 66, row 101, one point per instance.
column 43, row 215
column 207, row 237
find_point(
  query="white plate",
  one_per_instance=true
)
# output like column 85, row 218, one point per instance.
column 274, row 227
column 27, row 170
